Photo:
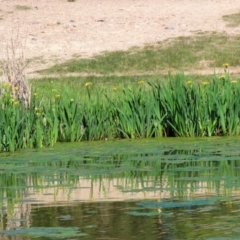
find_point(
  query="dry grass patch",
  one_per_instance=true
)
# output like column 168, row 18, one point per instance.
column 233, row 19
column 22, row 7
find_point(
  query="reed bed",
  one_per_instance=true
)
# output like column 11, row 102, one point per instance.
column 176, row 107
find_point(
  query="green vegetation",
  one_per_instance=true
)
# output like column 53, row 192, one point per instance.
column 122, row 95
column 183, row 53
column 174, row 107
column 76, row 84
column 233, row 19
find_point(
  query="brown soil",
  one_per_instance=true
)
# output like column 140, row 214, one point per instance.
column 56, row 30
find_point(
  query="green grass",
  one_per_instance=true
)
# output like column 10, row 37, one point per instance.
column 77, row 83
column 233, row 20
column 182, row 53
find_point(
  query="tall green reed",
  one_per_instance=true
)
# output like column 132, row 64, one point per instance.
column 137, row 112
column 67, row 115
column 175, row 107
column 98, row 122
column 12, row 116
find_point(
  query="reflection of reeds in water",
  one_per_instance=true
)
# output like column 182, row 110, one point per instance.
column 130, row 179
column 156, row 170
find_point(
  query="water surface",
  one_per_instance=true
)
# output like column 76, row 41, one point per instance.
column 144, row 189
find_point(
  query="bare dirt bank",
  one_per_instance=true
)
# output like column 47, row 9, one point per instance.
column 56, row 30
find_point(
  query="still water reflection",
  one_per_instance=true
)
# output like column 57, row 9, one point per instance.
column 143, row 189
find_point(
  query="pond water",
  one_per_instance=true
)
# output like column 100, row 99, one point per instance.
column 174, row 188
